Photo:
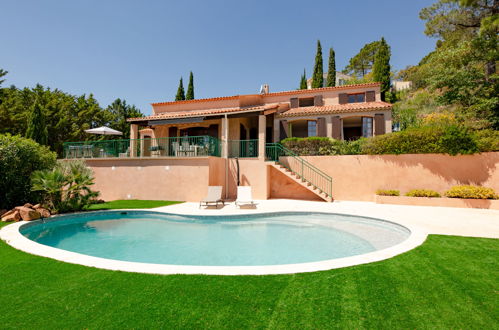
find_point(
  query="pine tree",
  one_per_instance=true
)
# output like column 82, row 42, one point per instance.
column 331, row 70
column 318, row 76
column 190, row 88
column 381, row 67
column 303, row 80
column 180, row 91
column 37, row 128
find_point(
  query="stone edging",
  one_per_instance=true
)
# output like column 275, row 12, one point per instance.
column 12, row 236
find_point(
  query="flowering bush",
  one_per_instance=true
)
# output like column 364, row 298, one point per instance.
column 474, row 192
column 422, row 193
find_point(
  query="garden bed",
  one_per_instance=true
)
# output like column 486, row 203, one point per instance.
column 443, row 201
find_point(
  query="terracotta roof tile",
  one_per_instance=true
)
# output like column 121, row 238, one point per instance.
column 337, row 108
column 193, row 113
column 300, row 91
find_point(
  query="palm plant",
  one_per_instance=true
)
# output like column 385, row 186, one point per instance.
column 66, row 187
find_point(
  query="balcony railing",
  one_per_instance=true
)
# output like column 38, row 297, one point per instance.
column 185, row 146
column 243, row 148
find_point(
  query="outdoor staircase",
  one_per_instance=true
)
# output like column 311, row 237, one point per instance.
column 300, row 171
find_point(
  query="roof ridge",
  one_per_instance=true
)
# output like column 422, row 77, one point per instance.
column 291, row 92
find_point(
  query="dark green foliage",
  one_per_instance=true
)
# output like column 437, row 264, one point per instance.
column 19, row 158
column 322, row 146
column 119, row 112
column 180, row 91
column 37, row 128
column 458, row 140
column 66, row 187
column 130, row 204
column 67, row 116
column 190, row 88
column 362, row 63
column 487, row 140
column 446, row 283
column 318, row 75
column 2, row 74
column 381, row 67
column 303, row 80
column 331, row 70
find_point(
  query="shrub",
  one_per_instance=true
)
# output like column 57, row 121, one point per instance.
column 66, row 187
column 474, row 192
column 487, row 140
column 19, row 158
column 422, row 193
column 457, row 140
column 452, row 140
column 313, row 146
column 384, row 192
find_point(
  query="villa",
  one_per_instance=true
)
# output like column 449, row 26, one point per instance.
column 231, row 141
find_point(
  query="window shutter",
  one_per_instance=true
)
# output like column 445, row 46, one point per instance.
column 379, row 124
column 318, row 101
column 294, row 102
column 283, row 129
column 370, row 96
column 321, row 126
column 343, row 98
column 336, row 128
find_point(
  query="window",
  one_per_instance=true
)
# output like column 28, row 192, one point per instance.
column 306, row 102
column 312, row 128
column 367, row 127
column 356, row 98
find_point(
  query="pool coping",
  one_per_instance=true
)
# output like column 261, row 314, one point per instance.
column 11, row 235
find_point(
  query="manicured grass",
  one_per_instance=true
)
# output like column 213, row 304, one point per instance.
column 449, row 282
column 130, row 204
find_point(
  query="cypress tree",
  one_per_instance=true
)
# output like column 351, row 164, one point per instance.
column 318, row 76
column 180, row 91
column 331, row 70
column 381, row 67
column 190, row 88
column 303, row 81
column 37, row 129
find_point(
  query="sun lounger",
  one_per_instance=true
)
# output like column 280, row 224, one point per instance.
column 214, row 196
column 244, row 196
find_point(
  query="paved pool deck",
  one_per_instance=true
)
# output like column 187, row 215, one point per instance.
column 429, row 219
column 420, row 220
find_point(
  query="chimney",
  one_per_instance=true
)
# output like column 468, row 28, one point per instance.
column 264, row 89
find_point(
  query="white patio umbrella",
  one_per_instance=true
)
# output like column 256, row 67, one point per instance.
column 103, row 130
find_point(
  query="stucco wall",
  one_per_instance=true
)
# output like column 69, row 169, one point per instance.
column 358, row 177
column 154, row 179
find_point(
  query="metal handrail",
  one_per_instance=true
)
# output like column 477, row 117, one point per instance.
column 188, row 146
column 304, row 169
column 243, row 148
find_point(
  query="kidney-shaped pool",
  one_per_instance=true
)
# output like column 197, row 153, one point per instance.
column 237, row 240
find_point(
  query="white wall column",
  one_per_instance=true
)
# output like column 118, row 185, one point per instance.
column 225, row 137
column 134, row 134
column 262, row 130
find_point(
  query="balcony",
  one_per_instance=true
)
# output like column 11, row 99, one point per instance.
column 186, row 146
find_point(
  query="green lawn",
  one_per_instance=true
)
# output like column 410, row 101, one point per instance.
column 449, row 282
column 130, row 204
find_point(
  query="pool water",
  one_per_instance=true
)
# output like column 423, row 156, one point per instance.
column 250, row 240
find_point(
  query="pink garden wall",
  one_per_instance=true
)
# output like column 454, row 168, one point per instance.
column 354, row 177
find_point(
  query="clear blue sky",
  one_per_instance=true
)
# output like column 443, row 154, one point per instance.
column 137, row 50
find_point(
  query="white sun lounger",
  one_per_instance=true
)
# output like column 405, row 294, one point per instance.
column 244, row 196
column 214, row 196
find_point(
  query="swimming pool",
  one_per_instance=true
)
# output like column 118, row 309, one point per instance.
column 258, row 240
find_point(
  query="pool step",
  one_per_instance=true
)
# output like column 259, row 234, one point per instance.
column 302, row 181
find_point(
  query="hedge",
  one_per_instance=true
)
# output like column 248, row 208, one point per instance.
column 385, row 192
column 19, row 157
column 422, row 193
column 452, row 140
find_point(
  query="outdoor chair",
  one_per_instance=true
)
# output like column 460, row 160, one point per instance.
column 244, row 196
column 214, row 196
